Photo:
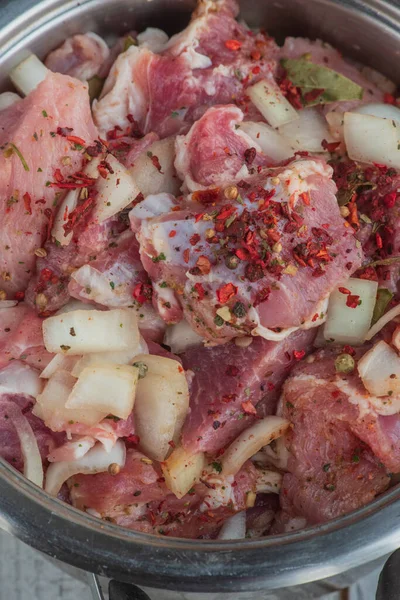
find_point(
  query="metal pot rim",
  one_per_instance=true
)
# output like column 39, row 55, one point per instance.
column 75, row 537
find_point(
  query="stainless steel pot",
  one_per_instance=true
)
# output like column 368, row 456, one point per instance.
column 368, row 31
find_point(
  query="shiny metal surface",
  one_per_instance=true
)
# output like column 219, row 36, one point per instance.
column 368, row 31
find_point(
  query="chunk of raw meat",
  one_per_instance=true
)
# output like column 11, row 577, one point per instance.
column 265, row 261
column 371, row 193
column 228, row 380
column 201, row 67
column 10, row 448
column 216, row 152
column 21, row 337
column 34, row 152
column 338, row 442
column 80, row 56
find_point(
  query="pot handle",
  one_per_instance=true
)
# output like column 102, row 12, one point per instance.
column 116, row 590
column 389, row 579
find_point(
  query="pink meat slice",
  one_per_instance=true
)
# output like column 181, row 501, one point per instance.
column 10, row 448
column 227, row 376
column 34, row 152
column 21, row 337
column 271, row 265
column 340, row 452
column 80, row 56
column 216, row 152
column 325, row 55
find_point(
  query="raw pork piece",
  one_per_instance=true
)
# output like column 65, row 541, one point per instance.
column 137, row 498
column 265, row 261
column 10, row 448
column 80, row 56
column 33, row 152
column 227, row 378
column 372, row 195
column 201, row 67
column 21, row 337
column 215, row 152
column 342, row 442
column 323, row 54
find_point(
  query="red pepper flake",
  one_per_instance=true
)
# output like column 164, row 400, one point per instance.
column 313, row 95
column 19, row 295
column 349, row 350
column 233, row 44
column 353, row 216
column 262, row 296
column 344, row 290
column 58, row 176
column 203, row 264
column 229, row 398
column 172, row 233
column 132, row 439
column 249, row 408
column 335, row 394
column 254, row 272
column 352, row 301
column 255, row 54
column 64, row 131
column 389, row 98
column 172, row 444
column 256, row 70
column 226, row 292
column 242, row 253
column 315, row 318
column 46, row 274
column 292, row 93
column 156, row 163
column 250, row 155
column 186, row 255
column 318, row 272
column 299, row 354
column 27, row 202
column 194, row 239
column 378, row 240
column 306, row 198
column 199, row 291
column 270, row 386
column 330, row 146
column 206, row 196
column 75, row 140
column 232, row 371
column 142, row 292
column 369, row 274
column 78, row 213
column 390, row 199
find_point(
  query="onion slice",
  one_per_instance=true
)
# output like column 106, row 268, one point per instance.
column 384, row 320
column 379, row 370
column 33, row 467
column 181, row 336
column 8, row 99
column 307, row 132
column 28, row 74
column 18, row 378
column 251, row 441
column 272, row 104
column 270, row 141
column 59, row 362
column 268, row 482
column 234, row 528
column 147, row 175
column 372, row 139
column 182, row 471
column 67, row 206
column 97, row 460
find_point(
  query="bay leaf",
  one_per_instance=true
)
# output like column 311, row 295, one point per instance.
column 310, row 77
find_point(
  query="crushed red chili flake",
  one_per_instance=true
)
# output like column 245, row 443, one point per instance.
column 262, row 296
column 133, row 439
column 242, row 253
column 256, row 70
column 249, row 408
column 27, row 202
column 64, row 131
column 139, row 198
column 389, row 98
column 203, row 265
column 228, row 398
column 172, row 233
column 232, row 371
column 79, row 213
column 172, row 444
column 315, row 318
column 254, row 272
column 344, row 290
column 250, row 155
column 244, row 185
column 390, row 199
column 186, row 255
column 206, row 196
column 378, row 240
column 233, row 44
column 226, row 292
column 292, row 93
column 75, row 140
column 199, row 290
column 299, row 354
column 368, row 273
column 335, row 394
column 156, row 163
column 194, row 239
column 349, row 350
column 19, row 295
column 313, row 95
column 352, row 301
column 330, row 146
column 142, row 292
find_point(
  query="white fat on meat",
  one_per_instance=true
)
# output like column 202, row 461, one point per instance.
column 152, row 206
column 220, row 491
column 154, row 39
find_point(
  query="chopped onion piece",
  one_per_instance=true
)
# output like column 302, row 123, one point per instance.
column 396, row 338
column 336, row 123
column 86, row 331
column 381, row 110
column 387, row 317
column 234, row 528
column 181, row 336
column 271, row 103
column 124, row 357
column 161, row 405
column 307, row 132
column 148, row 178
column 115, row 192
column 19, row 378
column 8, row 99
column 182, row 471
column 74, row 304
column 379, row 370
column 33, row 467
column 382, row 82
column 66, row 207
column 250, row 441
column 154, row 39
column 97, row 460
column 350, row 325
column 8, row 303
column 372, row 139
column 28, row 74
column 106, row 388
column 59, row 362
column 73, row 449
column 51, row 405
column 268, row 482
column 270, row 141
